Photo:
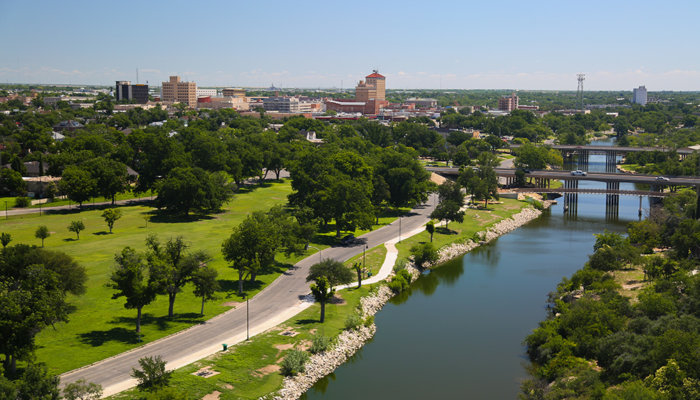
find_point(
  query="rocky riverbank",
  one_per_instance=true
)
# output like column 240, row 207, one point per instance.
column 347, row 343
column 457, row 249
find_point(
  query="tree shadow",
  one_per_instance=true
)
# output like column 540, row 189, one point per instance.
column 100, row 233
column 166, row 218
column 306, row 321
column 445, row 231
column 119, row 334
column 70, row 240
column 162, row 322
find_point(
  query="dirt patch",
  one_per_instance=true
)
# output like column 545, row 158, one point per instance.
column 632, row 285
column 212, row 396
column 437, row 178
column 226, row 386
column 313, row 331
column 206, row 372
column 233, row 304
column 267, row 370
column 304, row 345
column 283, row 347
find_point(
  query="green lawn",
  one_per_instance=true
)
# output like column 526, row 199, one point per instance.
column 102, row 327
column 373, row 258
column 475, row 220
column 249, row 368
column 64, row 202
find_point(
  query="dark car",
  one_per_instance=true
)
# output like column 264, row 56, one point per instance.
column 348, row 240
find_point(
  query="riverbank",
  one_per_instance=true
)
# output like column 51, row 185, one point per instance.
column 349, row 342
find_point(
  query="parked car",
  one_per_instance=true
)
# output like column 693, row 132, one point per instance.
column 578, row 172
column 662, row 178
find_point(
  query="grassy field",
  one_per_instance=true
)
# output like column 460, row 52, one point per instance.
column 101, row 327
column 373, row 258
column 475, row 220
column 64, row 202
column 249, row 370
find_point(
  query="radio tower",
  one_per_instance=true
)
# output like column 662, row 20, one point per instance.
column 579, row 90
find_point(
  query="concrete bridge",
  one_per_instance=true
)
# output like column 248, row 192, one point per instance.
column 570, row 190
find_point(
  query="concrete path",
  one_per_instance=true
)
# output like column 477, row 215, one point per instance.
column 279, row 301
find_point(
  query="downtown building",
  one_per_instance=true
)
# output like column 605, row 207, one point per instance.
column 176, row 91
column 639, row 95
column 508, row 103
column 370, row 97
column 126, row 91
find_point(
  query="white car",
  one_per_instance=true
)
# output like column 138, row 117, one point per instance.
column 578, row 172
column 662, row 178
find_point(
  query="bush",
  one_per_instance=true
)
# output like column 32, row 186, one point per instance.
column 423, row 254
column 294, row 362
column 153, row 375
column 22, row 202
column 369, row 321
column 353, row 321
column 400, row 264
column 319, row 344
column 401, row 281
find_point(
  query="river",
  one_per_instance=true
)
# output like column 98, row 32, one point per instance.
column 458, row 332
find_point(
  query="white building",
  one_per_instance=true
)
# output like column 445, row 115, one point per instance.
column 206, row 92
column 639, row 95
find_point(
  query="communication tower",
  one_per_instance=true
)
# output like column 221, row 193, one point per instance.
column 579, row 90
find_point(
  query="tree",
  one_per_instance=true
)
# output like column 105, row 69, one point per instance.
column 110, row 176
column 11, row 182
column 78, row 184
column 5, row 239
column 322, row 292
column 170, row 267
column 205, row 284
column 42, row 232
column 252, row 246
column 152, row 375
column 188, row 189
column 335, row 272
column 82, row 390
column 111, row 215
column 430, row 227
column 76, row 226
column 358, row 269
column 451, row 201
column 132, row 280
column 423, row 254
column 34, row 284
column 37, row 383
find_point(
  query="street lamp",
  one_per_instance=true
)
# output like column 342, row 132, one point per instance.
column 399, row 228
column 364, row 265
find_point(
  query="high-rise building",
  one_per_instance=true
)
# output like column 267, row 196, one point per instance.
column 370, row 96
column 126, row 91
column 508, row 103
column 639, row 95
column 182, row 92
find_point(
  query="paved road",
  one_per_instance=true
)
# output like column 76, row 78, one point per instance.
column 277, row 302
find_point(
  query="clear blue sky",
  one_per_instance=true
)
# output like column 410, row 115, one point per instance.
column 618, row 44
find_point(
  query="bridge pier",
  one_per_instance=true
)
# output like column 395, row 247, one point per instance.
column 571, row 199
column 610, row 161
column 612, row 202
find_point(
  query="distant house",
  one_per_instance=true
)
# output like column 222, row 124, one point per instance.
column 57, row 136
column 69, row 126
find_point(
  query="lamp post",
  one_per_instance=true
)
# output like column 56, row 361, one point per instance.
column 364, row 266
column 247, row 318
column 399, row 229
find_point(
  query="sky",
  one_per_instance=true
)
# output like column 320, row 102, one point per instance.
column 523, row 45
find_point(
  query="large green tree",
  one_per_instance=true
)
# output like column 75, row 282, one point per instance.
column 334, row 271
column 78, row 184
column 192, row 189
column 451, row 200
column 132, row 279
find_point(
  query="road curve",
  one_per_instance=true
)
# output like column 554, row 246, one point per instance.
column 277, row 302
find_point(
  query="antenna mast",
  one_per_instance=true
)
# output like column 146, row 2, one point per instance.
column 579, row 90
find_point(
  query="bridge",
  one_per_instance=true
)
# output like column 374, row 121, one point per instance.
column 542, row 180
column 611, row 152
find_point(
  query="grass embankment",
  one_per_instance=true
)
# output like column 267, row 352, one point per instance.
column 373, row 259
column 250, row 369
column 475, row 220
column 101, row 327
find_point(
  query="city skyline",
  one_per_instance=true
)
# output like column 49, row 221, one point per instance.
column 535, row 46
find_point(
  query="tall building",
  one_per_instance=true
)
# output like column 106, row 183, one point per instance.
column 508, row 103
column 182, row 92
column 370, row 96
column 126, row 91
column 639, row 95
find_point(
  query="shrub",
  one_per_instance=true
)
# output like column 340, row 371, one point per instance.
column 423, row 254
column 153, row 375
column 369, row 321
column 22, row 202
column 401, row 281
column 400, row 264
column 353, row 321
column 319, row 344
column 294, row 362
